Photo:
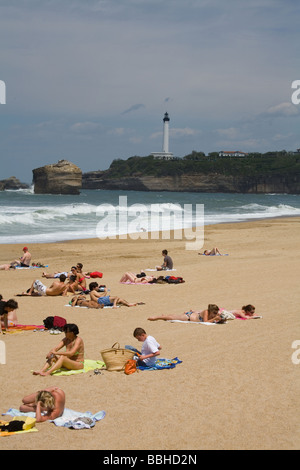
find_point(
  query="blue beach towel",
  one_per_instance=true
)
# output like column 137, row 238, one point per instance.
column 162, row 364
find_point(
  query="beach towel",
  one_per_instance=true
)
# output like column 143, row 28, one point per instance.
column 32, row 267
column 218, row 254
column 78, row 306
column 89, row 365
column 162, row 364
column 70, row 418
column 139, row 283
column 160, row 270
column 13, row 427
column 192, row 322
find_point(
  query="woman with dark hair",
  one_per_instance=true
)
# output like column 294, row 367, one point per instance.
column 73, row 356
column 210, row 315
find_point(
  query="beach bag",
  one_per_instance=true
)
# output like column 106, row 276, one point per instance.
column 115, row 357
column 130, row 367
column 59, row 323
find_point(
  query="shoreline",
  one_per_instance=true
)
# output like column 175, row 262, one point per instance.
column 127, row 235
column 236, row 387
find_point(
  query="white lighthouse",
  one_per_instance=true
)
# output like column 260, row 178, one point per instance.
column 165, row 154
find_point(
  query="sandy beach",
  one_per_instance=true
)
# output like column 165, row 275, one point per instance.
column 237, row 386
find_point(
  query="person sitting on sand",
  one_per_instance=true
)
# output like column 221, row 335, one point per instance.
column 246, row 312
column 57, row 287
column 214, row 251
column 150, row 348
column 136, row 279
column 72, row 285
column 46, row 404
column 24, row 261
column 167, row 264
column 7, row 308
column 107, row 300
column 81, row 301
column 72, row 358
column 81, row 277
column 210, row 315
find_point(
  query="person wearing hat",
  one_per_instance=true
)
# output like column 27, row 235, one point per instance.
column 24, row 261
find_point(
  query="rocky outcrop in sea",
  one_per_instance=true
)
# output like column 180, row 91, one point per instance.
column 59, row 178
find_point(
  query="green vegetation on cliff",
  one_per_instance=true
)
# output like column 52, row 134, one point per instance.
column 256, row 164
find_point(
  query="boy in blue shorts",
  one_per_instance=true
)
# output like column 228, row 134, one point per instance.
column 107, row 300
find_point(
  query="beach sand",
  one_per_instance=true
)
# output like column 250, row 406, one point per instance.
column 237, row 386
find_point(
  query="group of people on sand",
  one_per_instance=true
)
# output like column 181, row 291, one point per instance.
column 69, row 353
column 213, row 314
column 49, row 403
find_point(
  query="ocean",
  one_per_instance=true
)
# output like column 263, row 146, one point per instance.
column 27, row 218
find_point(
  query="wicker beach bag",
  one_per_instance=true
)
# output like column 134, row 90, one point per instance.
column 115, row 357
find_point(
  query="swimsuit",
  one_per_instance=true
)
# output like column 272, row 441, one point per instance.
column 40, row 287
column 104, row 301
column 188, row 314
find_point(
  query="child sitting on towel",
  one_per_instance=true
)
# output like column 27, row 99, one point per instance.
column 150, row 348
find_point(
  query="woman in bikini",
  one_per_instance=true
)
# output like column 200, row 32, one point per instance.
column 210, row 315
column 131, row 277
column 81, row 301
column 73, row 356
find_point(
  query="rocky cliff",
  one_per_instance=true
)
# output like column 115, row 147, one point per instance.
column 212, row 182
column 12, row 183
column 60, row 178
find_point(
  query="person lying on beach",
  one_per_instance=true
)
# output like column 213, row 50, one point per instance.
column 6, row 267
column 72, row 358
column 56, row 274
column 46, row 404
column 136, row 278
column 214, row 251
column 108, row 300
column 81, row 301
column 7, row 308
column 57, row 287
column 210, row 315
column 24, row 261
column 246, row 312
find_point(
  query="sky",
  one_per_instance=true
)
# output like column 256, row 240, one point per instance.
column 89, row 81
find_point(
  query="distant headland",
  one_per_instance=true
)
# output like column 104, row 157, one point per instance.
column 233, row 172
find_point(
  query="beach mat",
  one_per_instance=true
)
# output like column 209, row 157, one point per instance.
column 89, row 365
column 161, row 364
column 69, row 418
column 192, row 322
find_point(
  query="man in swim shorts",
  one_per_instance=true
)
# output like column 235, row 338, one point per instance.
column 58, row 287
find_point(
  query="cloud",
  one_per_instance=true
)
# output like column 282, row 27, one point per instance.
column 135, row 107
column 282, row 110
column 85, row 127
